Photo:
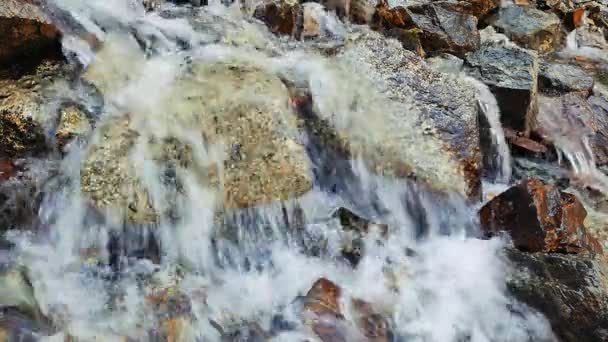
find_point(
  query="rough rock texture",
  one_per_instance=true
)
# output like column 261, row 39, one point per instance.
column 409, row 39
column 311, row 19
column 564, row 77
column 26, row 34
column 445, row 30
column 512, row 75
column 21, row 111
column 539, row 218
column 571, row 291
column 478, row 8
column 281, row 16
column 440, row 29
column 424, row 123
column 571, row 115
column 258, row 158
column 529, row 27
column 73, row 124
column 324, row 313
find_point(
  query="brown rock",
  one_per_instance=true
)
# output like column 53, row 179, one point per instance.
column 27, row 35
column 519, row 140
column 281, row 16
column 323, row 302
column 539, row 218
column 7, row 170
column 477, row 8
column 311, row 16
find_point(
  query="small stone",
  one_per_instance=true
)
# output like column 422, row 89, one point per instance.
column 73, row 123
column 564, row 77
column 312, row 17
column 539, row 218
column 529, row 27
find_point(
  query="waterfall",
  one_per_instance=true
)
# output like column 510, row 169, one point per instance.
column 93, row 277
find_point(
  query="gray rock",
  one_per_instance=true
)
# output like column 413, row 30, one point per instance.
column 529, row 27
column 571, row 291
column 444, row 30
column 564, row 77
column 512, row 75
column 407, row 119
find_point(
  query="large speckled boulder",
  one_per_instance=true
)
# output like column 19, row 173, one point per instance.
column 239, row 114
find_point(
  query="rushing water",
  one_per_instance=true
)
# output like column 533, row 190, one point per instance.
column 430, row 277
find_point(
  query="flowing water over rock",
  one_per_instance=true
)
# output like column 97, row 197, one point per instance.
column 206, row 202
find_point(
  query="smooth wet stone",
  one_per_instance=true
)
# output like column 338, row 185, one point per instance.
column 529, row 27
column 540, row 218
column 564, row 77
column 512, row 75
column 571, row 291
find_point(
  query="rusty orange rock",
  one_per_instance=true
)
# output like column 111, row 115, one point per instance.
column 539, row 218
column 280, row 16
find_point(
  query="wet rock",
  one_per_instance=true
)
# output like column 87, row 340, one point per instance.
column 572, row 116
column 512, row 75
column 312, row 13
column 362, row 11
column 570, row 290
column 477, row 8
column 255, row 147
column 519, row 141
column 564, row 77
column 356, row 229
column 22, row 118
column 27, row 34
column 529, row 27
column 73, row 124
column 409, row 39
column 539, row 218
column 7, row 170
column 16, row 292
column 443, row 30
column 281, row 16
column 173, row 311
column 412, row 105
column 324, row 314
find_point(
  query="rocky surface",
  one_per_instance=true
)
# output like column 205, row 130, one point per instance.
column 260, row 158
column 27, row 34
column 529, row 27
column 512, row 75
column 565, row 78
column 540, row 218
column 571, row 291
column 280, row 16
column 422, row 108
column 571, row 115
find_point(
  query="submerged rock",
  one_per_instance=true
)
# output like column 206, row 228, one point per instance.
column 73, row 124
column 539, row 218
column 529, row 27
column 356, row 229
column 27, row 34
column 564, row 77
column 512, row 75
column 570, row 290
